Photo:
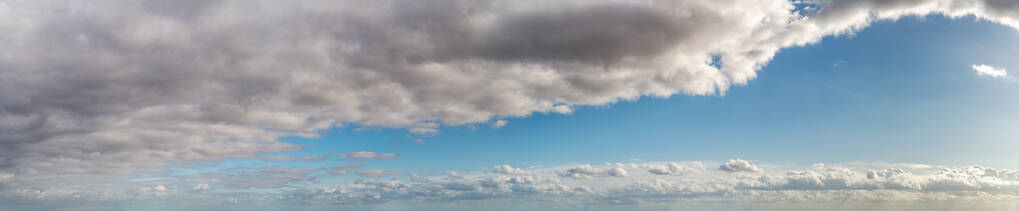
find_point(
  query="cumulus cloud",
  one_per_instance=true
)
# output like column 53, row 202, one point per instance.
column 369, row 155
column 834, row 184
column 821, row 184
column 131, row 87
column 737, row 165
column 674, row 169
column 581, row 172
column 588, row 172
column 991, row 71
column 507, row 169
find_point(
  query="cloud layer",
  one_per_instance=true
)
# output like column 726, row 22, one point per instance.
column 95, row 90
column 838, row 185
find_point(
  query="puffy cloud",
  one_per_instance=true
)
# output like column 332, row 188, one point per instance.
column 737, row 165
column 588, row 172
column 507, row 169
column 674, row 169
column 369, row 155
column 581, row 172
column 987, row 70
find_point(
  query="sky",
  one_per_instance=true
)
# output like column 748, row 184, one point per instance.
column 509, row 105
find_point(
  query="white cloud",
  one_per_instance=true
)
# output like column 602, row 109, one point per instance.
column 672, row 168
column 424, row 131
column 737, row 165
column 200, row 187
column 821, row 184
column 818, row 184
column 987, row 70
column 369, row 155
column 453, row 175
column 499, row 123
column 588, row 172
column 507, row 169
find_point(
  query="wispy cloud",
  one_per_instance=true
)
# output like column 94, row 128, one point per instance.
column 369, row 155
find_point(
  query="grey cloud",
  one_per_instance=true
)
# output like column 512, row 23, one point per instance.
column 600, row 34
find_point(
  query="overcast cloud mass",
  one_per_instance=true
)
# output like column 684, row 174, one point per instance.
column 95, row 92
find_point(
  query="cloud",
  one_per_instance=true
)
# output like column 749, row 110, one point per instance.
column 819, row 184
column 825, row 185
column 423, row 131
column 452, row 175
column 344, row 169
column 103, row 89
column 499, row 123
column 507, row 169
column 581, row 172
column 292, row 158
column 266, row 177
column 200, row 187
column 987, row 70
column 674, row 169
column 737, row 165
column 588, row 172
column 376, row 173
column 369, row 155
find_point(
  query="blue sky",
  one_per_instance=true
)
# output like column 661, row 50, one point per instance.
column 509, row 105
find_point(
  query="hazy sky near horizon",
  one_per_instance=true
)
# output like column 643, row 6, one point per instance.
column 509, row 105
